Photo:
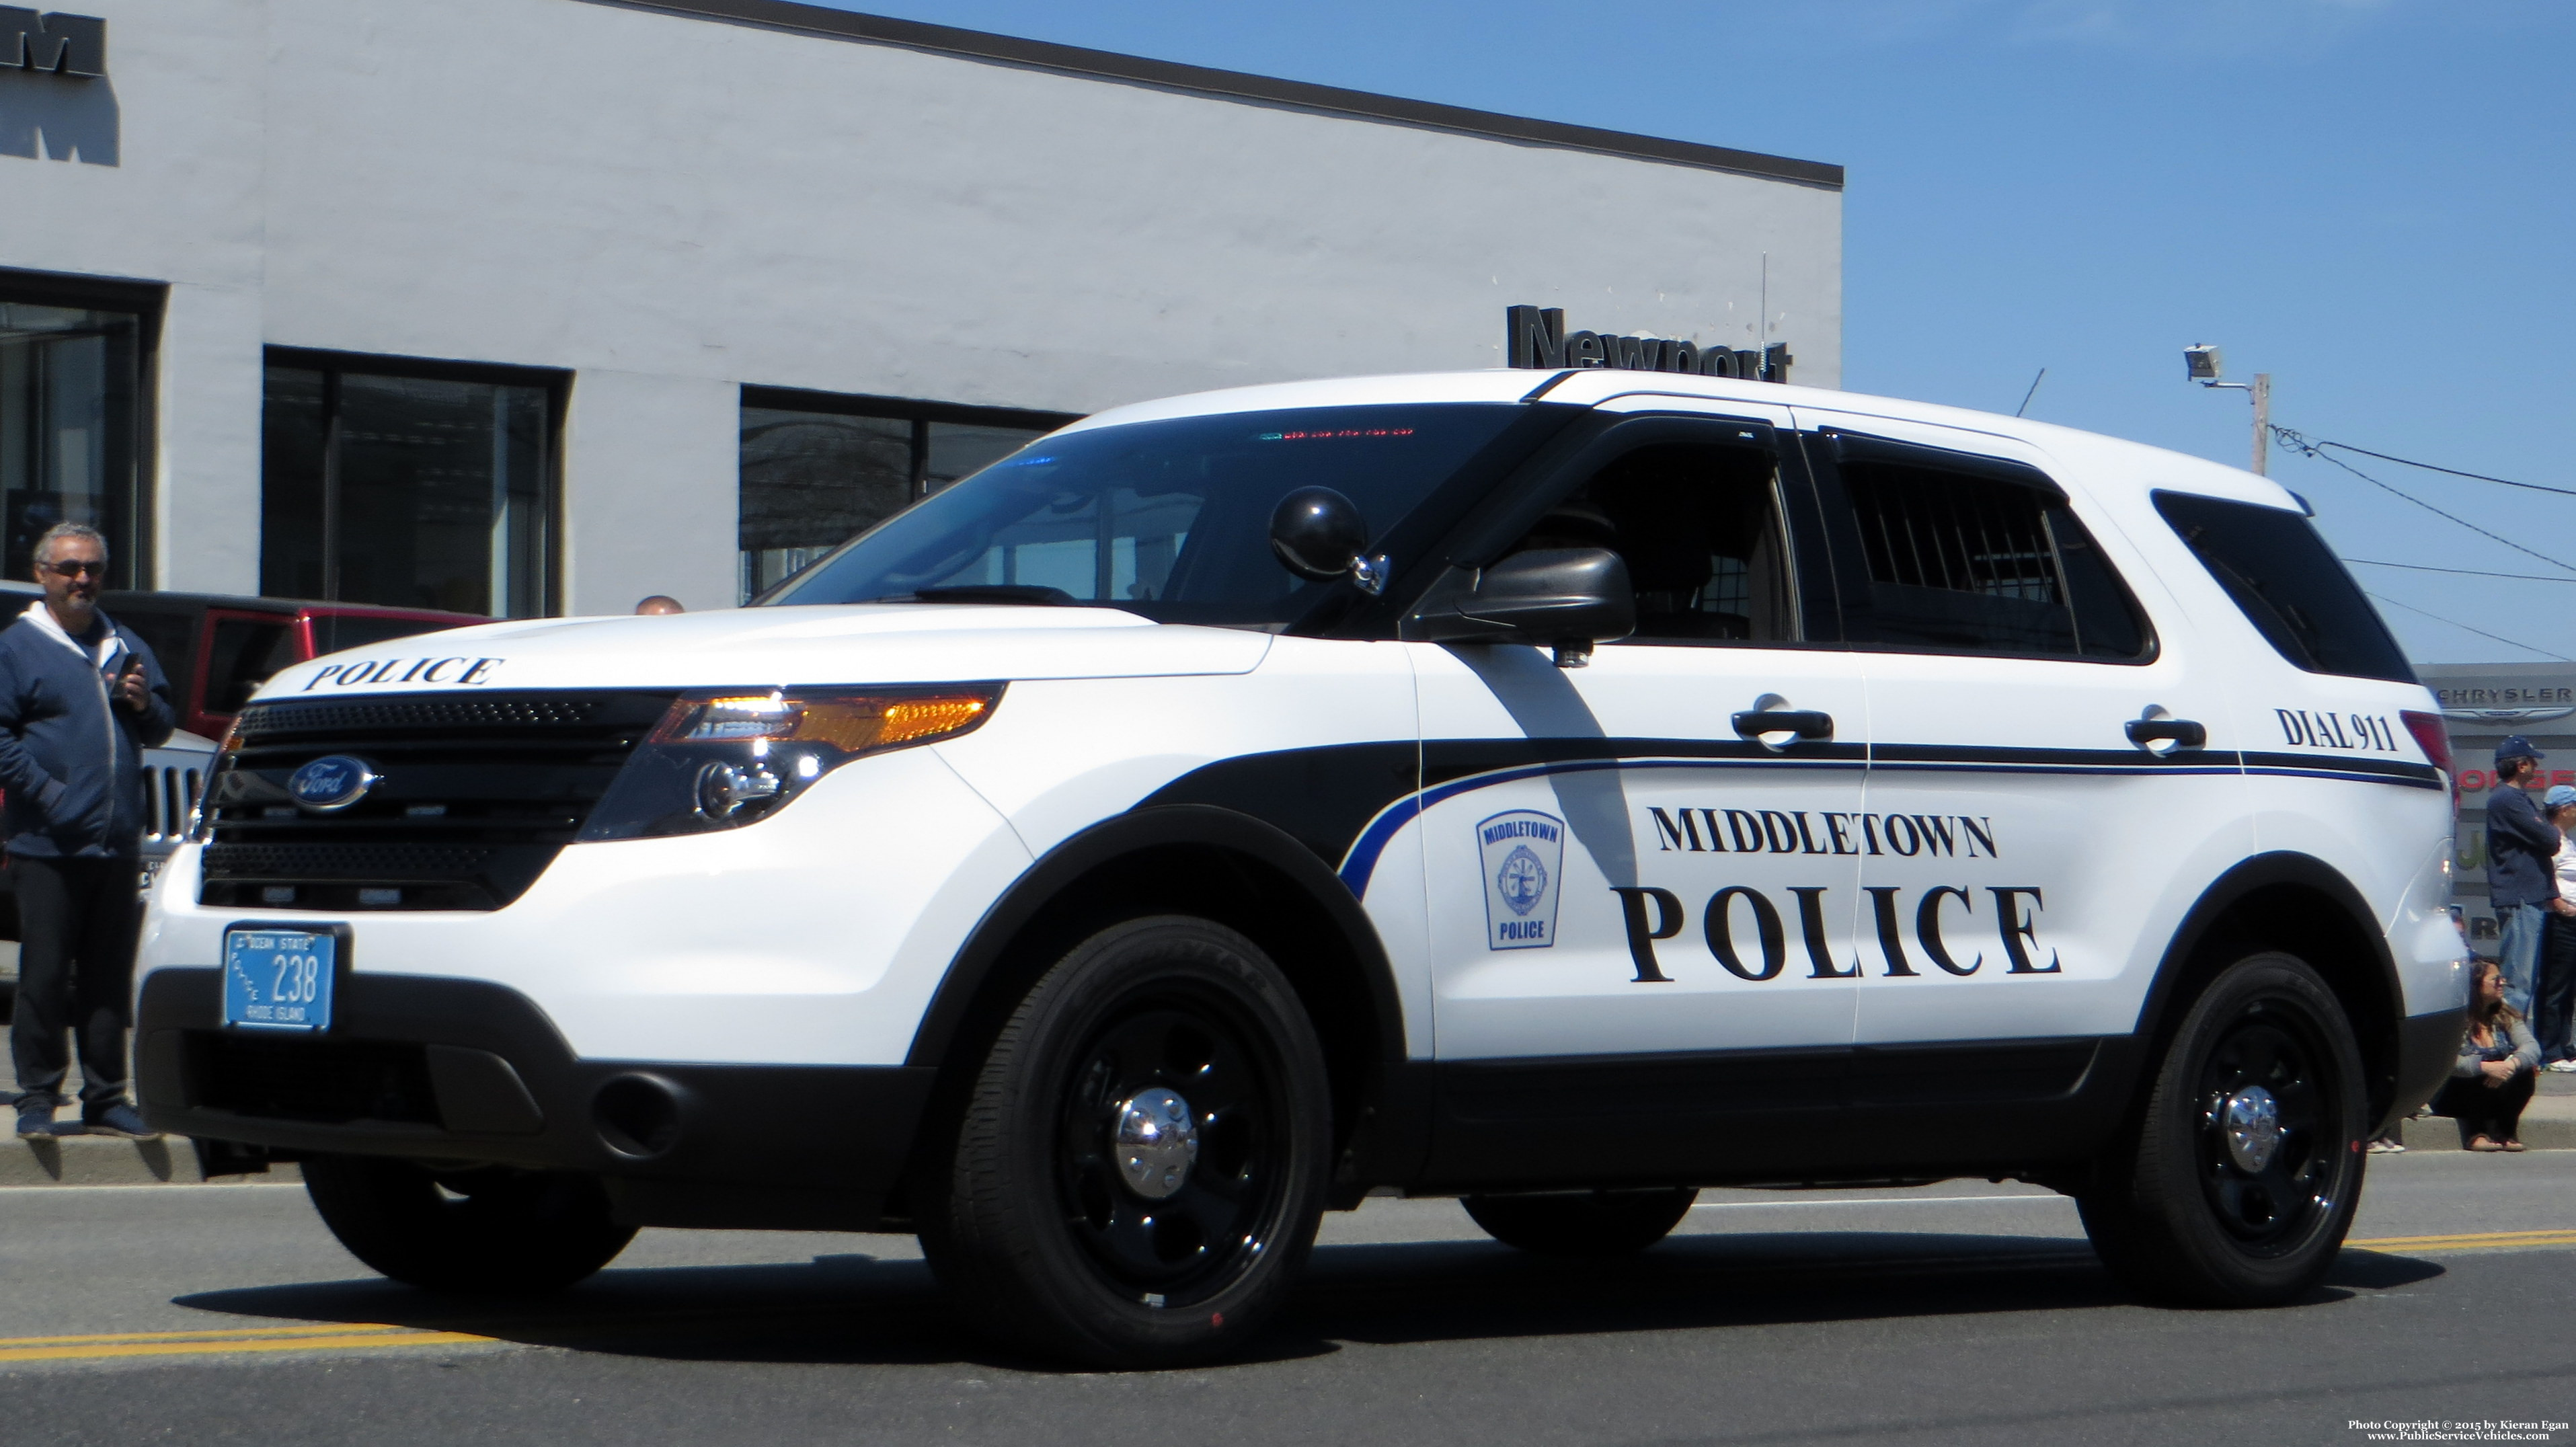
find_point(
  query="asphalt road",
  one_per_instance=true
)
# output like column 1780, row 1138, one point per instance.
column 1959, row 1313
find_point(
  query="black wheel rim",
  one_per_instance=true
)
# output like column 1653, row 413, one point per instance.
column 2272, row 1208
column 1189, row 1246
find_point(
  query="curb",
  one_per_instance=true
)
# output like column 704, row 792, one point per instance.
column 113, row 1161
column 2437, row 1134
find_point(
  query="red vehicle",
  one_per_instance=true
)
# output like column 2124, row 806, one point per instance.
column 219, row 648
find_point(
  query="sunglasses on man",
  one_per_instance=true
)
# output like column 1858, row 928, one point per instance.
column 75, row 567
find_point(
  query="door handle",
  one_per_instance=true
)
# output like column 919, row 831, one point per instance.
column 1812, row 726
column 2181, row 733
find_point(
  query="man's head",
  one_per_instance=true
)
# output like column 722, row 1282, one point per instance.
column 2559, row 804
column 71, row 563
column 2515, row 758
column 659, row 603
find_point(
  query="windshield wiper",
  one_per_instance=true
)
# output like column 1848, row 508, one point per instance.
column 1024, row 593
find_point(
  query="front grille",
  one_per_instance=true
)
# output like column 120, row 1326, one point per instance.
column 331, row 1082
column 474, row 797
column 170, row 801
column 336, row 715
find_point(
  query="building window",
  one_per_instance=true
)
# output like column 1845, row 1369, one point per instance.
column 73, row 359
column 819, row 469
column 418, row 485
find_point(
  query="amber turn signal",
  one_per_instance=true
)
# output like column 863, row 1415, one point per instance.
column 854, row 723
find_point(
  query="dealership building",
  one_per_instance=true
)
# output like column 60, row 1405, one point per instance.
column 537, row 306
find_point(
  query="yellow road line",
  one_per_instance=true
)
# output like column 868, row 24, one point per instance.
column 342, row 1342
column 2482, row 1240
column 340, row 1336
column 336, row 1328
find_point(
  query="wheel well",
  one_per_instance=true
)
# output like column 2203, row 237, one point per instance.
column 1235, row 889
column 2308, row 921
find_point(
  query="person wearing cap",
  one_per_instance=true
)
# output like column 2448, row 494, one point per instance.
column 2553, row 1016
column 2522, row 888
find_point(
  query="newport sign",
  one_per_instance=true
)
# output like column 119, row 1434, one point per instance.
column 73, row 45
column 1536, row 337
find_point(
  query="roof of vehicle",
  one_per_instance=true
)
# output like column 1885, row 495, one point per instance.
column 1593, row 387
column 284, row 606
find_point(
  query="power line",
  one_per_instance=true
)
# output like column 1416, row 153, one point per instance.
column 2482, row 633
column 2463, row 572
column 2308, row 445
column 2302, row 445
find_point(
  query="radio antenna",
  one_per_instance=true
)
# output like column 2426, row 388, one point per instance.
column 2033, row 392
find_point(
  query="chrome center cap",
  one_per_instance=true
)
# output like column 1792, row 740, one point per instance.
column 1157, row 1142
column 2252, row 1120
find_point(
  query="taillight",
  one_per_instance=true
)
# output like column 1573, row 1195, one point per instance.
column 2434, row 737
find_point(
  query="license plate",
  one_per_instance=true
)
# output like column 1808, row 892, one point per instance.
column 278, row 979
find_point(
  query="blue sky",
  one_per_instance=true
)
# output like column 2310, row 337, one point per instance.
column 2373, row 200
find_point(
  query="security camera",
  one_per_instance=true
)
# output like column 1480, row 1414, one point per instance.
column 2201, row 363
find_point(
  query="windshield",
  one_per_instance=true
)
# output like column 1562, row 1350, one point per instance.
column 1167, row 519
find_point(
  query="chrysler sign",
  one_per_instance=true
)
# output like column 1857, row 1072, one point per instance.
column 62, row 44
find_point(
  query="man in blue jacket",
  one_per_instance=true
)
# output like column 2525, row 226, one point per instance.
column 80, row 700
column 2520, row 883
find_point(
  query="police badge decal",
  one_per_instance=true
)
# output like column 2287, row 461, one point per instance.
column 1524, row 852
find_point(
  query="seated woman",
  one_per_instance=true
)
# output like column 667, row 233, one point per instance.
column 2498, row 1066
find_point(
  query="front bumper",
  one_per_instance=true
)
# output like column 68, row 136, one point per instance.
column 466, row 1070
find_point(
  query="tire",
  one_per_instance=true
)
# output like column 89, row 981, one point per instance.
column 1583, row 1223
column 2182, row 1215
column 1049, row 1238
column 485, row 1230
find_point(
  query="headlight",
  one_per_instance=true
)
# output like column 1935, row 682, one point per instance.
column 718, row 761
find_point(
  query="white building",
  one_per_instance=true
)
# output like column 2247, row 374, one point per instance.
column 533, row 306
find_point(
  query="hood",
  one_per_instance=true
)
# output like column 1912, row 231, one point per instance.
column 766, row 647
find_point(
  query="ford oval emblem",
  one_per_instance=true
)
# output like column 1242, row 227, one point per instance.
column 334, row 781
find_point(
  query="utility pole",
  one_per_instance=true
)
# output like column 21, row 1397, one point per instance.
column 2201, row 364
column 2262, row 421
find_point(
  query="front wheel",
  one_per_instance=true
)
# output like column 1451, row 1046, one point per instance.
column 1583, row 1223
column 477, row 1229
column 1140, row 1161
column 2240, row 1179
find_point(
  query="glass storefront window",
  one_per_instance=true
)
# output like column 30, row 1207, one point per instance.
column 414, row 491
column 813, row 479
column 818, row 470
column 70, row 384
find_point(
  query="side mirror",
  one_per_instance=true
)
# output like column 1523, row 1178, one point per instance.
column 1318, row 533
column 1567, row 599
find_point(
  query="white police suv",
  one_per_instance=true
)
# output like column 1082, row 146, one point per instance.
column 1562, row 796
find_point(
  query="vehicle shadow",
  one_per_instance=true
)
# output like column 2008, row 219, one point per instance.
column 854, row 1310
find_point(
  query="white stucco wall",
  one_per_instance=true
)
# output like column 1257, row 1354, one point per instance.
column 681, row 205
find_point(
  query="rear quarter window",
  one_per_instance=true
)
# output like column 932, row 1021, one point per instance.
column 2289, row 585
column 335, row 631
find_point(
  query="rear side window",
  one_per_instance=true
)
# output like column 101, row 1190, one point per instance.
column 2289, row 584
column 335, row 631
column 1961, row 561
column 243, row 656
column 172, row 639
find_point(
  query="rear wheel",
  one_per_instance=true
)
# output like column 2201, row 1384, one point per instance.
column 2238, row 1183
column 1139, row 1165
column 482, row 1229
column 1583, row 1223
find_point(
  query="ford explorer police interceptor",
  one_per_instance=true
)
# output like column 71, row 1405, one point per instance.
column 1559, row 796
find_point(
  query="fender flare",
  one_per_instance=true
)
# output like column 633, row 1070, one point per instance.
column 2262, row 871
column 1161, row 826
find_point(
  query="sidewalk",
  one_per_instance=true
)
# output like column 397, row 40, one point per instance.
column 103, row 1160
